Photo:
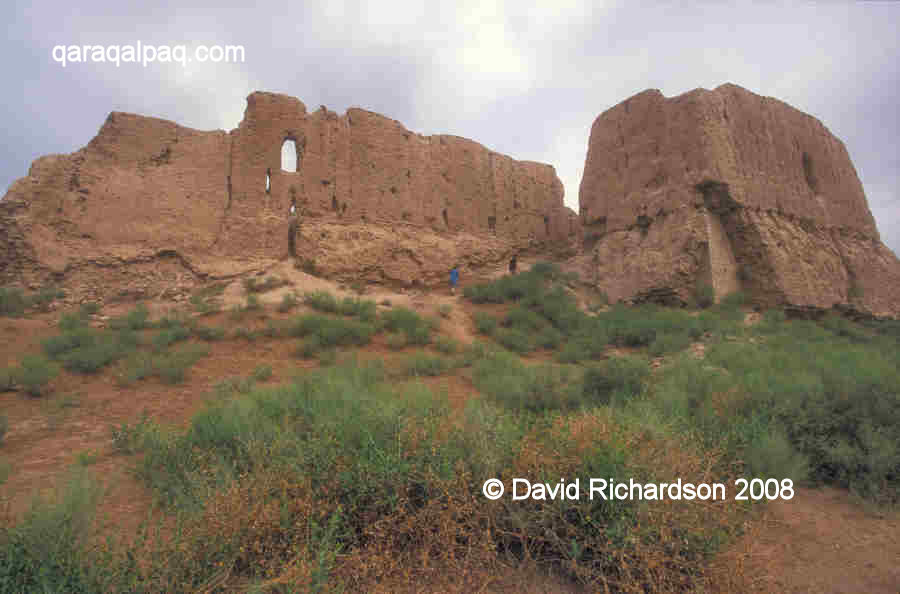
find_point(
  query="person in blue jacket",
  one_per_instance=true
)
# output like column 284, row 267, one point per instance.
column 454, row 279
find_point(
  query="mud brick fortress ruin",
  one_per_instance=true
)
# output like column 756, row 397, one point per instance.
column 723, row 188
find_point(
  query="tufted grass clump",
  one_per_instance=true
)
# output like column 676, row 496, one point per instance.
column 416, row 328
column 428, row 365
column 332, row 331
column 82, row 349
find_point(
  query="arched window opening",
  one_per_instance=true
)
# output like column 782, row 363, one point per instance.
column 444, row 214
column 290, row 159
column 268, row 180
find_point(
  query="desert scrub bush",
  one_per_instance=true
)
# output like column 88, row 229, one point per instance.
column 35, row 373
column 45, row 296
column 445, row 309
column 13, row 302
column 338, row 460
column 416, row 328
column 252, row 285
column 8, row 379
column 364, row 309
column 619, row 377
column 253, row 303
column 504, row 379
column 666, row 344
column 135, row 367
column 261, row 373
column 204, row 305
column 590, row 342
column 396, row 340
column 246, row 334
column 86, row 350
column 523, row 319
column 843, row 327
column 288, row 302
column 704, row 296
column 445, row 345
column 516, row 340
column 173, row 331
column 172, row 367
column 136, row 319
column 485, row 323
column 549, row 338
column 331, row 331
column 48, row 550
column 428, row 365
column 209, row 333
column 803, row 398
column 321, row 301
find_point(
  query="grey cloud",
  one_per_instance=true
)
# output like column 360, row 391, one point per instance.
column 524, row 79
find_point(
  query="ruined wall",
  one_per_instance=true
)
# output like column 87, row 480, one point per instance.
column 365, row 167
column 784, row 214
column 144, row 187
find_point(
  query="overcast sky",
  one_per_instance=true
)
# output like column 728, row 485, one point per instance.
column 523, row 79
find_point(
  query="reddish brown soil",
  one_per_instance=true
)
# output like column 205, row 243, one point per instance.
column 820, row 541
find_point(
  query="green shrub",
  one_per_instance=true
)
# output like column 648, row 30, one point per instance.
column 253, row 303
column 251, row 285
column 46, row 551
column 246, row 334
column 704, row 296
column 416, row 328
column 170, row 334
column 9, row 377
column 288, row 302
column 321, row 301
column 327, row 357
column 261, row 373
column 309, row 347
column 445, row 345
column 34, row 373
column 136, row 367
column 523, row 319
column 666, row 344
column 86, row 310
column 364, row 309
column 619, row 376
column 515, row 340
column 841, row 326
column 485, row 323
column 505, row 380
column 13, row 302
column 422, row 364
column 45, row 296
column 549, row 338
column 86, row 350
column 204, row 305
column 308, row 265
column 136, row 319
column 445, row 309
column 333, row 332
column 396, row 340
column 209, row 333
column 172, row 367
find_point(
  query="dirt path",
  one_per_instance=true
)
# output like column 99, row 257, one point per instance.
column 820, row 541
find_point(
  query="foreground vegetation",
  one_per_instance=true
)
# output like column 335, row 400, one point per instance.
column 357, row 473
